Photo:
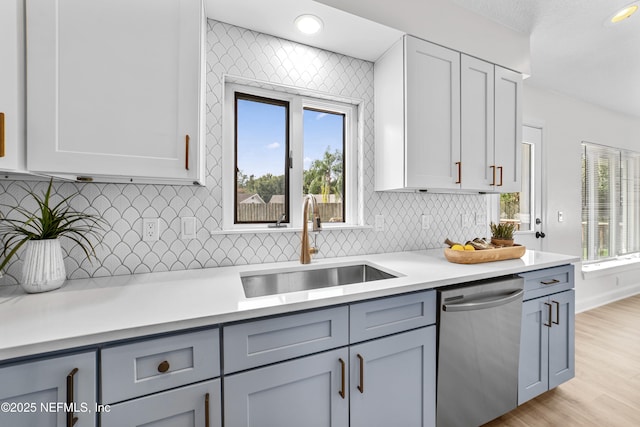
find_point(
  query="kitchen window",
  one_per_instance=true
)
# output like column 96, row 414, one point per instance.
column 610, row 202
column 283, row 145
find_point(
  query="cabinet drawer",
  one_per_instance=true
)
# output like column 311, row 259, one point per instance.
column 192, row 405
column 145, row 367
column 386, row 316
column 548, row 281
column 251, row 344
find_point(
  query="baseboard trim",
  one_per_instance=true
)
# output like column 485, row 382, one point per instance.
column 606, row 298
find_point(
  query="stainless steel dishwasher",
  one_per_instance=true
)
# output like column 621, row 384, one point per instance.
column 478, row 351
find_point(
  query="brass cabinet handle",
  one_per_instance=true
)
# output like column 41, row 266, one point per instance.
column 549, row 315
column 71, row 418
column 493, row 168
column 500, row 185
column 342, row 368
column 1, row 134
column 163, row 366
column 459, row 165
column 557, row 304
column 361, row 385
column 550, row 282
column 206, row 410
column 186, row 152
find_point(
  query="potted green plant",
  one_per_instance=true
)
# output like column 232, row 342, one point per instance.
column 502, row 233
column 43, row 268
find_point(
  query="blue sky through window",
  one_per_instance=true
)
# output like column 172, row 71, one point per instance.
column 262, row 137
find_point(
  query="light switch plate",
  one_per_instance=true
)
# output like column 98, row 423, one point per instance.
column 379, row 224
column 188, row 228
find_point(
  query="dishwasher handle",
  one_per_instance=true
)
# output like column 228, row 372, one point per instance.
column 468, row 306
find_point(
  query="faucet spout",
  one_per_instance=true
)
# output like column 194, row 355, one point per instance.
column 306, row 249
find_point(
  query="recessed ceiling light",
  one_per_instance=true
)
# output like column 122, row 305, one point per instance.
column 308, row 24
column 624, row 13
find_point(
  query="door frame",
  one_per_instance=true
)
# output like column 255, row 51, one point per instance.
column 527, row 238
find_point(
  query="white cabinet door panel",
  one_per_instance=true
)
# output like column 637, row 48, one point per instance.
column 432, row 115
column 115, row 88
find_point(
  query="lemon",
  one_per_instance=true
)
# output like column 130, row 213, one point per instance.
column 469, row 248
column 457, row 247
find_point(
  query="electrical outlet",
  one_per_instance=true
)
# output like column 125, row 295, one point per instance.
column 481, row 219
column 379, row 224
column 560, row 216
column 150, row 229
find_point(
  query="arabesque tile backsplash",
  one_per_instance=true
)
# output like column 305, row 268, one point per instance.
column 250, row 55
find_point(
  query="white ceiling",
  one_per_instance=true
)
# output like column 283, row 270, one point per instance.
column 342, row 33
column 572, row 50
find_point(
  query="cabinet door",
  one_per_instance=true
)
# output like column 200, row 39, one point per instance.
column 508, row 129
column 311, row 392
column 562, row 338
column 393, row 380
column 115, row 88
column 191, row 406
column 478, row 167
column 432, row 114
column 533, row 371
column 12, row 132
column 37, row 394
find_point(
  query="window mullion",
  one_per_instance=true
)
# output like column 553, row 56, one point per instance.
column 296, row 153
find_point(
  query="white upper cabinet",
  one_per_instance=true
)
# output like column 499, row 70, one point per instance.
column 116, row 89
column 445, row 121
column 417, row 116
column 508, row 129
column 12, row 125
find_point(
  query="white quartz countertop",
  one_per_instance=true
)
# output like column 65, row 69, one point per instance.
column 92, row 311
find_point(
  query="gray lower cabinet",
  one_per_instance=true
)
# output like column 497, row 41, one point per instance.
column 547, row 344
column 311, row 391
column 393, row 380
column 190, row 406
column 50, row 392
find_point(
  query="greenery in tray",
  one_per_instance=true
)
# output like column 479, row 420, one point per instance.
column 49, row 222
column 502, row 230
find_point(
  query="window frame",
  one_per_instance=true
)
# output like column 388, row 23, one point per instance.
column 624, row 224
column 238, row 95
column 298, row 99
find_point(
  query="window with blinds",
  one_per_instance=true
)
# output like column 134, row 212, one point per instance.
column 610, row 202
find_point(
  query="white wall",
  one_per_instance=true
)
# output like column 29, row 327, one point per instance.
column 250, row 55
column 446, row 23
column 567, row 122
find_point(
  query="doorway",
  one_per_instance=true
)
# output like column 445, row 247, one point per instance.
column 525, row 208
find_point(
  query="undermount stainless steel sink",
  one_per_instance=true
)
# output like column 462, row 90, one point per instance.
column 258, row 285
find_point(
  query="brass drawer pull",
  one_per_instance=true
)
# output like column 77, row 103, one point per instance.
column 71, row 418
column 163, row 367
column 1, row 134
column 493, row 168
column 361, row 384
column 548, row 323
column 557, row 304
column 459, row 164
column 341, row 392
column 500, row 167
column 206, row 410
column 186, row 152
column 551, row 282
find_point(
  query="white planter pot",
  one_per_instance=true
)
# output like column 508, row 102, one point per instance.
column 43, row 268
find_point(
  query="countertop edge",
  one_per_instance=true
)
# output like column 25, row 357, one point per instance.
column 9, row 354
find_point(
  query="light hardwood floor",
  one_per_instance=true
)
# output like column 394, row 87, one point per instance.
column 606, row 389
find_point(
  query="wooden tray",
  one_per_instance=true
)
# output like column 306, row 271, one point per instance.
column 485, row 255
